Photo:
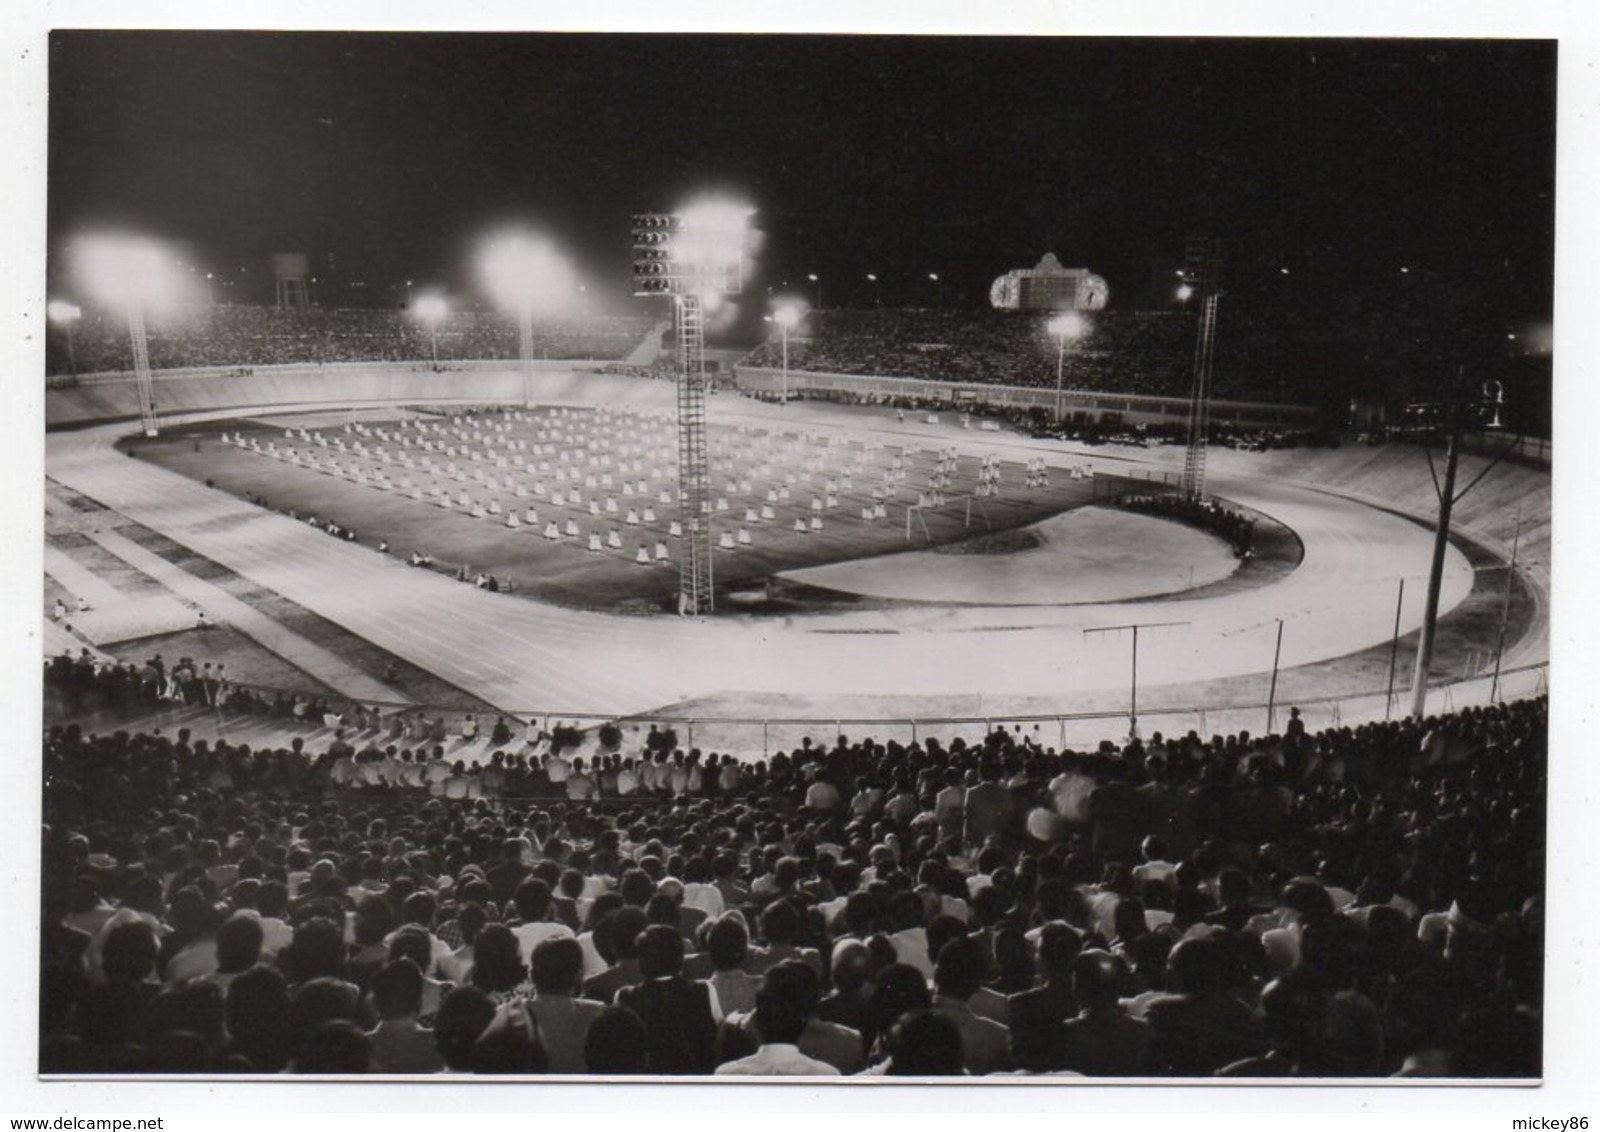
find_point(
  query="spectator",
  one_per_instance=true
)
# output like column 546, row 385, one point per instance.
column 562, row 1020
column 679, row 1028
column 957, row 977
column 783, row 1008
column 398, row 1043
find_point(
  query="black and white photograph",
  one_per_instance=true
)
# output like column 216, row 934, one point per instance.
column 682, row 555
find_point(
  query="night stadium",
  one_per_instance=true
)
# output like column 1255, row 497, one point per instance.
column 828, row 583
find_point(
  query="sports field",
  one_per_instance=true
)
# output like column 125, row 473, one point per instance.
column 562, row 503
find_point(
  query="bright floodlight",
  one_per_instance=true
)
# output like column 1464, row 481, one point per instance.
column 787, row 316
column 1185, row 292
column 524, row 273
column 1068, row 325
column 714, row 236
column 430, row 309
column 130, row 273
column 62, row 313
column 122, row 271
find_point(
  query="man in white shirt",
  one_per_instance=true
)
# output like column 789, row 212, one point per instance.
column 782, row 1010
column 581, row 785
column 532, row 900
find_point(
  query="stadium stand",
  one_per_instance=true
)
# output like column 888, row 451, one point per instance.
column 1134, row 352
column 1357, row 903
column 245, row 336
column 1259, row 360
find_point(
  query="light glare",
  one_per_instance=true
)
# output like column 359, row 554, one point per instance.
column 524, row 273
column 1068, row 325
column 122, row 270
column 430, row 309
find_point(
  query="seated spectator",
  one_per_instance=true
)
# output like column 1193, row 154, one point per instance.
column 1037, row 1016
column 497, row 967
column 783, row 1008
column 848, row 1004
column 317, row 1002
column 616, row 939
column 679, row 1028
column 923, row 1043
column 399, row 1044
column 1200, row 1027
column 1102, row 1041
column 464, row 1015
column 616, row 1045
column 533, row 899
column 509, row 1045
column 470, row 920
column 561, row 1019
column 957, row 976
column 728, row 945
column 256, row 1014
column 896, row 989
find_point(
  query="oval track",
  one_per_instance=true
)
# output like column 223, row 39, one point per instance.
column 525, row 656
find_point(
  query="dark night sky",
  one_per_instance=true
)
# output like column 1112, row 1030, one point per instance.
column 1341, row 160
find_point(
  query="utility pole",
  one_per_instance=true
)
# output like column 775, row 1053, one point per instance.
column 1133, row 682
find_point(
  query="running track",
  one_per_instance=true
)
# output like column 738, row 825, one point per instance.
column 531, row 658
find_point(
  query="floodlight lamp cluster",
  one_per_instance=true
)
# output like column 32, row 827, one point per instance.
column 687, row 254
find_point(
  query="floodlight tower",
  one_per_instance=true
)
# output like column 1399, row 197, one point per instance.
column 66, row 315
column 128, row 272
column 1068, row 325
column 1202, row 277
column 695, row 257
column 787, row 317
column 525, row 275
column 1451, row 417
column 431, row 310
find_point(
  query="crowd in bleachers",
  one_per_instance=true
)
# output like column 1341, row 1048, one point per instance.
column 1358, row 902
column 1125, row 352
column 245, row 336
column 1232, row 527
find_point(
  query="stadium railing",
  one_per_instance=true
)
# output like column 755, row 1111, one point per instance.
column 1134, row 408
column 759, row 736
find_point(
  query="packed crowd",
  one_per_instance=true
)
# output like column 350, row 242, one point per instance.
column 246, row 336
column 1358, row 902
column 1129, row 352
column 1232, row 527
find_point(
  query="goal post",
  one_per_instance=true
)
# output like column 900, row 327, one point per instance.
column 962, row 505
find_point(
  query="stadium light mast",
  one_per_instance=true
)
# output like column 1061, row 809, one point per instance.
column 130, row 273
column 877, row 289
column 431, row 310
column 1202, row 276
column 695, row 256
column 1064, row 326
column 1453, row 414
column 816, row 282
column 65, row 315
column 938, row 289
column 787, row 317
column 525, row 275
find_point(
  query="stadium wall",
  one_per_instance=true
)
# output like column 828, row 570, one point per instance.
column 1100, row 406
column 100, row 398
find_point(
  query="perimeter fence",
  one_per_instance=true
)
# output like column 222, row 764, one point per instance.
column 758, row 736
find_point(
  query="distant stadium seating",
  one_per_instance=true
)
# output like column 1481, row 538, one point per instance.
column 263, row 336
column 1125, row 352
